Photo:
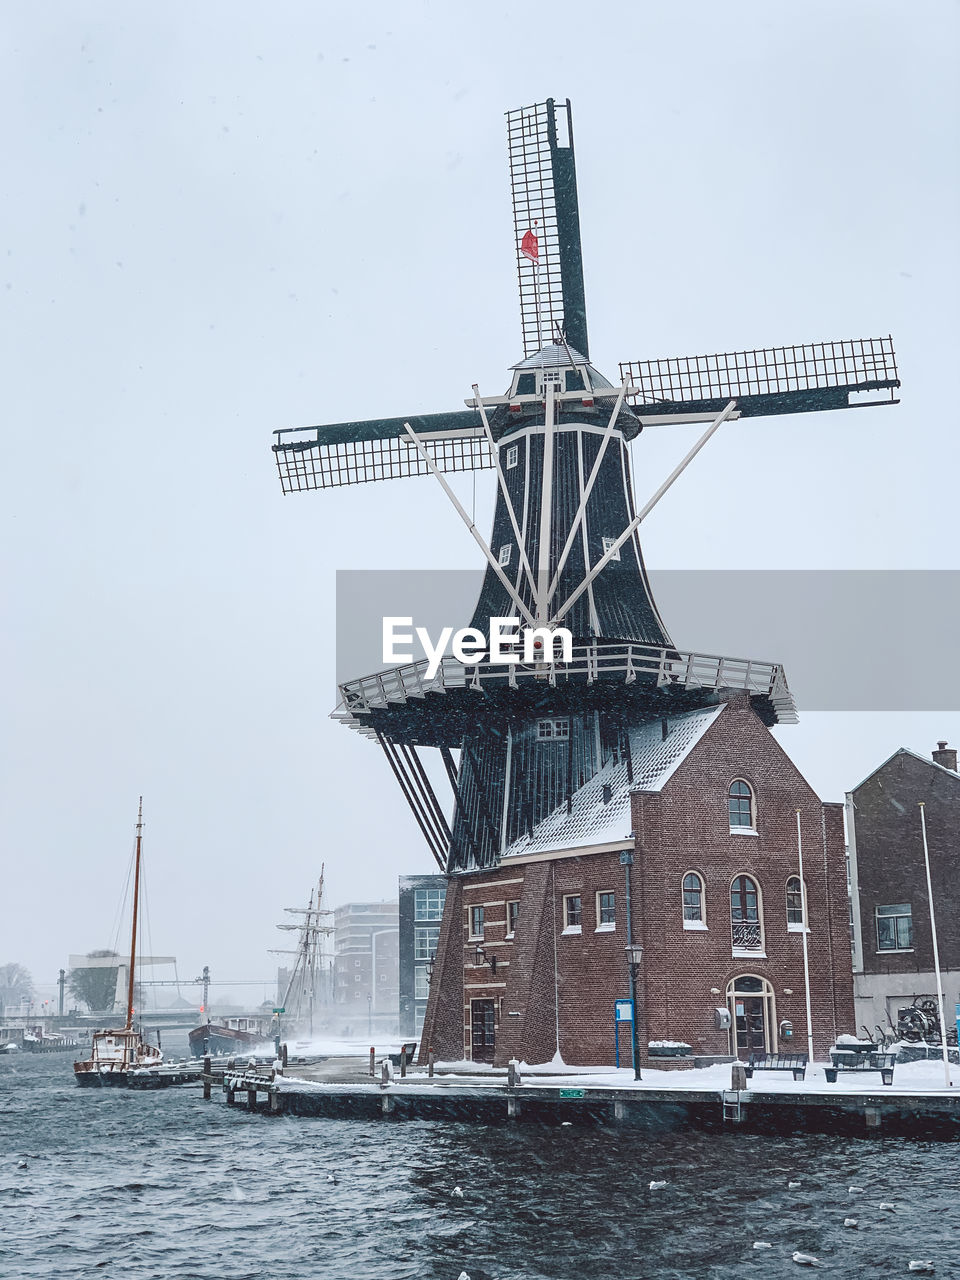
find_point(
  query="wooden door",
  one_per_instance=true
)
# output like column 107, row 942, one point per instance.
column 483, row 1033
column 749, row 1022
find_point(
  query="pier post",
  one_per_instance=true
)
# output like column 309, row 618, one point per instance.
column 231, row 1096
column 252, row 1099
column 373, row 1060
column 385, row 1071
column 431, row 1059
column 403, row 1061
column 206, row 1079
column 274, row 1100
column 738, row 1076
column 386, row 1104
column 513, row 1073
column 619, row 1109
column 872, row 1116
column 513, row 1107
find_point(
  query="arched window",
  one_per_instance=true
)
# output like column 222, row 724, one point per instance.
column 741, row 806
column 794, row 904
column 745, row 926
column 694, row 915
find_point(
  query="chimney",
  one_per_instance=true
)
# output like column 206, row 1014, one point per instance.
column 947, row 756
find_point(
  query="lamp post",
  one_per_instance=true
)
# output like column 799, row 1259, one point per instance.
column 634, row 956
column 634, row 953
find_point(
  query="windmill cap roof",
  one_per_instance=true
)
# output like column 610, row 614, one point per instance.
column 552, row 357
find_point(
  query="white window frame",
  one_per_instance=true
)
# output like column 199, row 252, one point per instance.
column 609, row 926
column 471, row 921
column 796, row 926
column 514, row 903
column 745, row 953
column 901, row 915
column 694, row 926
column 572, row 928
column 751, row 830
column 513, row 456
column 559, row 729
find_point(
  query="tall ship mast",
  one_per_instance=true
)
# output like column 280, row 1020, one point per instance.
column 116, row 1053
column 308, row 984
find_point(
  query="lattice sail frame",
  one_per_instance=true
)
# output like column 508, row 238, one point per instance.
column 531, row 138
column 858, row 364
column 311, row 463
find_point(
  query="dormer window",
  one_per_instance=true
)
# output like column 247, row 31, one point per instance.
column 505, row 551
column 513, row 453
column 607, row 544
column 553, row 730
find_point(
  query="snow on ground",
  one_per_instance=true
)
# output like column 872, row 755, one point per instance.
column 910, row 1079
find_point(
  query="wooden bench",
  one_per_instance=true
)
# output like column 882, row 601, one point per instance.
column 846, row 1060
column 795, row 1062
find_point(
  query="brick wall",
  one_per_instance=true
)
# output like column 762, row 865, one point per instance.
column 890, row 866
column 552, row 982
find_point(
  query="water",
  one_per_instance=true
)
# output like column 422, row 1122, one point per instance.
column 161, row 1184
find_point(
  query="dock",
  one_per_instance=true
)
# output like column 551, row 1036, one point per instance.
column 341, row 1091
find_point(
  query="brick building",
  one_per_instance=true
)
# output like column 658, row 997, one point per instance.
column 893, row 941
column 531, row 954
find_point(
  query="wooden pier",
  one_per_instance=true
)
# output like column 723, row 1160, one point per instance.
column 553, row 1101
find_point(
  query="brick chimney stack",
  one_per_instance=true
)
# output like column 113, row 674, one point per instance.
column 947, row 756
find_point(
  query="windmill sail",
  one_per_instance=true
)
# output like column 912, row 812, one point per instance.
column 775, row 380
column 546, row 218
column 358, row 452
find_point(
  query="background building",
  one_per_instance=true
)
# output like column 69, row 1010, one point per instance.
column 421, row 910
column 365, row 943
column 893, row 942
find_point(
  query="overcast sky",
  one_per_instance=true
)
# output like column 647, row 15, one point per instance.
column 222, row 219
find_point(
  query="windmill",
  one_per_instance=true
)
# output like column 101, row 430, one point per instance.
column 564, row 551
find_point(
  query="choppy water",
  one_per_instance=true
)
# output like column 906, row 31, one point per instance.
column 164, row 1185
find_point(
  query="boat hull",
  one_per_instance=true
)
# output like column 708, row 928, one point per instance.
column 221, row 1042
column 102, row 1079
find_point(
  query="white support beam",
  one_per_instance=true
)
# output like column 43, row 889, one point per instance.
column 642, row 515
column 587, row 490
column 546, row 503
column 474, row 531
column 506, row 494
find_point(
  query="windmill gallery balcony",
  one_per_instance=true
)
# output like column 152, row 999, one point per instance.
column 440, row 709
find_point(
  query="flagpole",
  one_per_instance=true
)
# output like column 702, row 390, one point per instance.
column 936, row 952
column 806, row 958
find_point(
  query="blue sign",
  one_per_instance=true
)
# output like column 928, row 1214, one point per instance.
column 624, row 1010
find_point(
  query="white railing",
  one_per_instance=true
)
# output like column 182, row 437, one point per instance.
column 590, row 663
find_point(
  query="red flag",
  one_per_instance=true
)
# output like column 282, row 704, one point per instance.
column 529, row 246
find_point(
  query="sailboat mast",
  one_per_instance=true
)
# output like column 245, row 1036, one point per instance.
column 136, row 904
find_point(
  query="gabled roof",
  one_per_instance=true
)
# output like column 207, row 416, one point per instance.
column 905, row 751
column 591, row 821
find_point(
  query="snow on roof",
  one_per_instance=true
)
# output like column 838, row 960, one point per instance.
column 592, row 821
column 552, row 356
column 906, row 751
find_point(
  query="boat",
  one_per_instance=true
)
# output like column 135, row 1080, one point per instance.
column 116, row 1053
column 38, row 1042
column 308, row 985
column 229, row 1036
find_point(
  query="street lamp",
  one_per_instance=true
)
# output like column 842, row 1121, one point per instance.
column 482, row 958
column 634, row 954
